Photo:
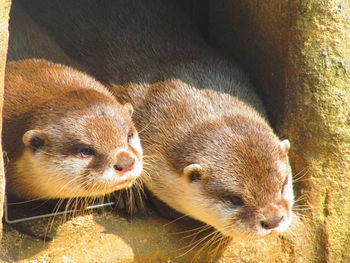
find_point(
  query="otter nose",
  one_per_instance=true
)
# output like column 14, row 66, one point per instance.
column 272, row 222
column 124, row 163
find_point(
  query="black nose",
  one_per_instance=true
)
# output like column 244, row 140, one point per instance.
column 272, row 222
column 124, row 163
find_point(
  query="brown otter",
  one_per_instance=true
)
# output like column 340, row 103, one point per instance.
column 209, row 150
column 64, row 134
column 212, row 157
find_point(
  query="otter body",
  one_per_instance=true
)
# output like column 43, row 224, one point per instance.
column 64, row 134
column 121, row 42
column 209, row 150
column 29, row 40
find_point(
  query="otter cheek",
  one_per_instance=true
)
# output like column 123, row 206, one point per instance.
column 199, row 205
column 68, row 169
column 236, row 223
column 288, row 193
column 287, row 201
column 287, row 216
column 136, row 147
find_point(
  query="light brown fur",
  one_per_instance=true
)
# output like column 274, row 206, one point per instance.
column 209, row 150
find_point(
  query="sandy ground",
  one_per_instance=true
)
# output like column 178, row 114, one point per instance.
column 107, row 238
column 97, row 238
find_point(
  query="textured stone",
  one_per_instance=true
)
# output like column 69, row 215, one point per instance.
column 298, row 53
column 4, row 16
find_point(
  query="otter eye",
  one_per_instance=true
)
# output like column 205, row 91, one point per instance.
column 233, row 200
column 86, row 152
column 130, row 135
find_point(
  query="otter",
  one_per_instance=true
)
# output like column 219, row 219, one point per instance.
column 64, row 134
column 209, row 150
column 212, row 157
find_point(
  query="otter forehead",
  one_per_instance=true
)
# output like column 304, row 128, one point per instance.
column 104, row 133
column 239, row 157
column 225, row 144
column 251, row 164
column 106, row 129
column 243, row 177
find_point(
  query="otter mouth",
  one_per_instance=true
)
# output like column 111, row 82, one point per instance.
column 122, row 184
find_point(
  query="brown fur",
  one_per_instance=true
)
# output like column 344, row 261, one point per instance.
column 64, row 134
column 210, row 152
column 234, row 145
column 72, row 111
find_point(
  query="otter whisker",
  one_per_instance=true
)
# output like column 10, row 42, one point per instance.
column 300, row 198
column 300, row 175
column 175, row 220
column 195, row 244
column 217, row 238
column 51, row 220
column 195, row 231
column 144, row 128
column 24, row 201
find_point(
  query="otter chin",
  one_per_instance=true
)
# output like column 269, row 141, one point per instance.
column 65, row 135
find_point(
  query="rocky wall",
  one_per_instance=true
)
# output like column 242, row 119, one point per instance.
column 298, row 54
column 4, row 16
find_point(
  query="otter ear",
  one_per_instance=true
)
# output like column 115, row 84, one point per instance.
column 194, row 172
column 129, row 108
column 285, row 145
column 34, row 139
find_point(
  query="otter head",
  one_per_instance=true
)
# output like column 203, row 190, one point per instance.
column 86, row 149
column 235, row 177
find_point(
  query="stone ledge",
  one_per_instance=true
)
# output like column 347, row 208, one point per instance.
column 108, row 238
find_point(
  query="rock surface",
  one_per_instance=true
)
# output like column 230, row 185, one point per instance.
column 151, row 239
column 298, row 53
column 4, row 16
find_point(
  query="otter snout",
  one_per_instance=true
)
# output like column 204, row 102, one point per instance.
column 271, row 223
column 125, row 162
